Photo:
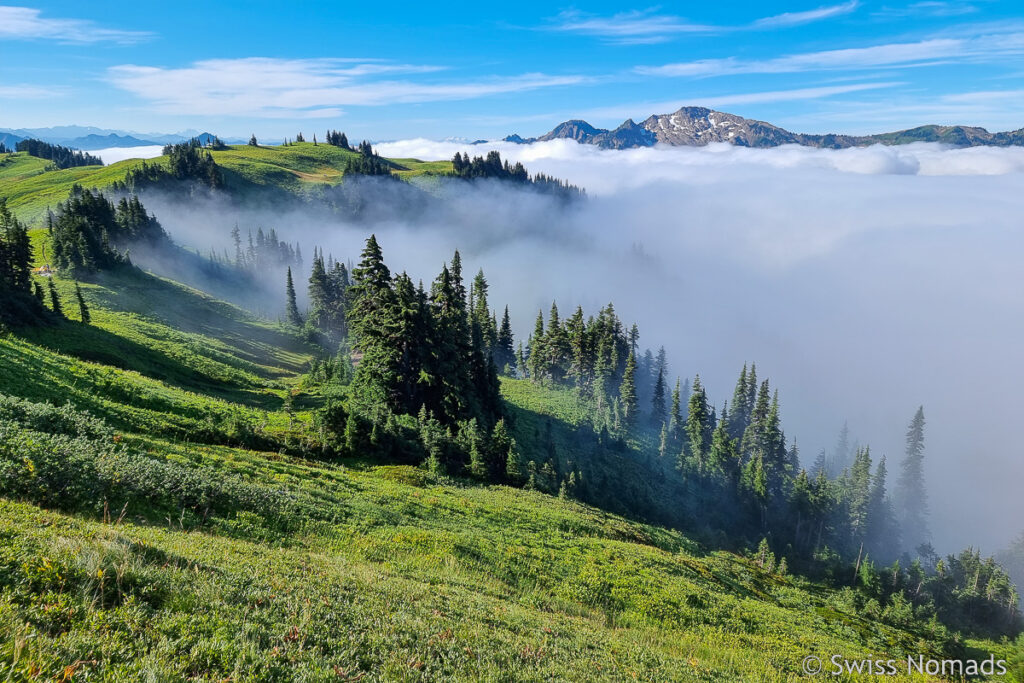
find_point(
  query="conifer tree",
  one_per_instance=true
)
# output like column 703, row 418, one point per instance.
column 820, row 464
column 55, row 299
column 723, row 457
column 912, row 496
column 841, row 456
column 658, row 399
column 859, row 494
column 291, row 306
column 373, row 319
column 504, row 349
column 252, row 141
column 15, row 253
column 699, row 428
column 536, row 361
column 481, row 313
column 319, row 291
column 627, row 394
column 556, row 347
column 675, row 417
column 513, row 465
column 83, row 310
column 740, row 415
column 881, row 529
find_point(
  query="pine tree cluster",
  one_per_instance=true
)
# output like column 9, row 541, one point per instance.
column 491, row 166
column 88, row 230
column 62, row 157
column 17, row 305
column 367, row 163
column 337, row 139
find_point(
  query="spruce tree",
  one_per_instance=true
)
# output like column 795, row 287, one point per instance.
column 535, row 362
column 675, row 417
column 859, row 494
column 627, row 393
column 658, row 399
column 291, row 306
column 881, row 529
column 557, row 352
column 912, row 498
column 373, row 319
column 55, row 299
column 699, row 428
column 723, row 457
column 319, row 292
column 83, row 310
column 504, row 350
column 740, row 415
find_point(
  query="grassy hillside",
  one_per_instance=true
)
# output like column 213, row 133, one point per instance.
column 155, row 527
column 297, row 168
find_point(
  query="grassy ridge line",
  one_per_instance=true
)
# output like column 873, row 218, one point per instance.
column 297, row 168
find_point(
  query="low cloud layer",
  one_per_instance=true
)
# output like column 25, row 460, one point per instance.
column 863, row 282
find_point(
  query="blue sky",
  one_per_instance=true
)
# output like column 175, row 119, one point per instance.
column 390, row 70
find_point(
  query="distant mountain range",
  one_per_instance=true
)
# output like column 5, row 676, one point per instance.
column 698, row 126
column 89, row 138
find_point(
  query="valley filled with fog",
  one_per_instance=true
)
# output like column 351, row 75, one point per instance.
column 863, row 282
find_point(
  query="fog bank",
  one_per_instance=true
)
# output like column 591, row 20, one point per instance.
column 863, row 282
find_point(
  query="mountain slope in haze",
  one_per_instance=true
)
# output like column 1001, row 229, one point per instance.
column 298, row 169
column 698, row 126
column 91, row 138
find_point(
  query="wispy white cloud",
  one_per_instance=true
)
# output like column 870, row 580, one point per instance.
column 647, row 27
column 303, row 88
column 798, row 18
column 629, row 28
column 27, row 23
column 934, row 50
column 27, row 92
column 928, row 8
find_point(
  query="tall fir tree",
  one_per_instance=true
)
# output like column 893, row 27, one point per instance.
column 739, row 418
column 373, row 321
column 675, row 417
column 536, row 357
column 83, row 309
column 658, row 398
column 55, row 299
column 699, row 429
column 627, row 393
column 504, row 347
column 291, row 305
column 912, row 497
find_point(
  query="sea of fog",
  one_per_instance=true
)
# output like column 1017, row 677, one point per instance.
column 863, row 283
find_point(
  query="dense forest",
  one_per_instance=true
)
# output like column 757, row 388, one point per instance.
column 62, row 157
